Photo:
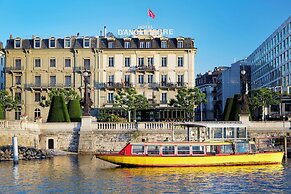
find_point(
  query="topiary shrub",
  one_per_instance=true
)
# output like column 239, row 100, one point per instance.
column 74, row 109
column 58, row 110
column 235, row 109
column 227, row 109
column 1, row 113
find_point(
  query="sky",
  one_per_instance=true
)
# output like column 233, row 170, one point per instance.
column 223, row 30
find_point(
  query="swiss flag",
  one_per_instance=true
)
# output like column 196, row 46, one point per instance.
column 151, row 14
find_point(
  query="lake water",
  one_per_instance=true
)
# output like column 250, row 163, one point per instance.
column 85, row 174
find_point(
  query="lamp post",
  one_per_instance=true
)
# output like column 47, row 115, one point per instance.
column 87, row 101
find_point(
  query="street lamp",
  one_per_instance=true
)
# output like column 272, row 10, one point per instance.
column 87, row 101
column 243, row 92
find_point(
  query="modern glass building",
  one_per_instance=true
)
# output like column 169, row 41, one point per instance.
column 270, row 62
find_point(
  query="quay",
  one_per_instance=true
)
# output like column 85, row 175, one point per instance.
column 89, row 136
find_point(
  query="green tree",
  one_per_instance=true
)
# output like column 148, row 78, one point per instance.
column 74, row 109
column 68, row 94
column 188, row 99
column 262, row 98
column 235, row 108
column 7, row 103
column 129, row 100
column 227, row 109
column 58, row 110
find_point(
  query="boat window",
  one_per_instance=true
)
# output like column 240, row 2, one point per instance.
column 226, row 149
column 153, row 150
column 137, row 149
column 198, row 149
column 184, row 149
column 253, row 148
column 242, row 147
column 212, row 149
column 168, row 149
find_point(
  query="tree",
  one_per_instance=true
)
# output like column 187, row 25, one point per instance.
column 58, row 110
column 262, row 98
column 68, row 94
column 188, row 99
column 7, row 103
column 74, row 109
column 227, row 109
column 129, row 100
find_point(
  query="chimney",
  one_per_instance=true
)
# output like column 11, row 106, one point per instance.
column 105, row 31
column 10, row 37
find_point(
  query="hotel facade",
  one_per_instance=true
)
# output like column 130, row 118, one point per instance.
column 155, row 66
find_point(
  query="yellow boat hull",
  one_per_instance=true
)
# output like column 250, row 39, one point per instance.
column 218, row 160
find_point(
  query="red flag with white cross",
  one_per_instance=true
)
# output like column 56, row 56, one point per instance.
column 151, row 14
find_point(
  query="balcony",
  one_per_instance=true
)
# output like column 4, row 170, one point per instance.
column 153, row 85
column 82, row 69
column 114, row 85
column 146, row 68
column 167, row 85
column 14, row 69
column 48, row 86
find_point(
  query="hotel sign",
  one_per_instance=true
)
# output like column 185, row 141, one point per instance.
column 146, row 30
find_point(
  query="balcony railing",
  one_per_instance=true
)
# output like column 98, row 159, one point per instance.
column 154, row 85
column 144, row 68
column 39, row 85
column 15, row 69
column 81, row 69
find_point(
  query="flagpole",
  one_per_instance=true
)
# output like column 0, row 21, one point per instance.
column 148, row 22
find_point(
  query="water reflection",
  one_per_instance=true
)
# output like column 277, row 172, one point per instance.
column 84, row 174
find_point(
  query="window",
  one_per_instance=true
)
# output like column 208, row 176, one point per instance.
column 17, row 114
column 110, row 45
column 18, row 80
column 110, row 97
column 18, row 64
column 127, row 61
column 164, row 98
column 111, row 61
column 68, row 80
column 86, row 43
column 242, row 147
column 37, row 80
column 164, row 80
column 212, row 149
column 197, row 149
column 164, row 61
column 141, row 79
column 53, row 80
column 168, row 150
column 67, row 42
column 37, row 43
column 164, row 44
column 185, row 149
column 86, row 64
column 36, row 113
column 153, row 150
column 150, row 79
column 150, row 61
column 180, row 61
column 52, row 43
column 18, row 96
column 67, row 62
column 127, row 80
column 17, row 43
column 52, row 62
column 37, row 62
column 37, row 97
column 137, row 149
column 141, row 45
column 110, row 80
column 140, row 62
column 126, row 44
column 226, row 149
column 148, row 44
column 180, row 44
column 180, row 80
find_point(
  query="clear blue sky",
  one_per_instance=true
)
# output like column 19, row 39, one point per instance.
column 223, row 30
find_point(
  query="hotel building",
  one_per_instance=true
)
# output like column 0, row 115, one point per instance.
column 155, row 66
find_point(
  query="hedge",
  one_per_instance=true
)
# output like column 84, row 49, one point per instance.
column 74, row 109
column 58, row 110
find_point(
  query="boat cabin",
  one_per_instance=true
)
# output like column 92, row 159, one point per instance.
column 188, row 148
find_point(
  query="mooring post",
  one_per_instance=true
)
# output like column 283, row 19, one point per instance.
column 15, row 150
column 285, row 146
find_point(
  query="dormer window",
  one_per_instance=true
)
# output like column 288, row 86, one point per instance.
column 141, row 45
column 164, row 44
column 180, row 44
column 86, row 43
column 148, row 44
column 52, row 43
column 67, row 42
column 110, row 45
column 37, row 43
column 126, row 44
column 17, row 43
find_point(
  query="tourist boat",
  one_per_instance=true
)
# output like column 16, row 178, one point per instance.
column 166, row 154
